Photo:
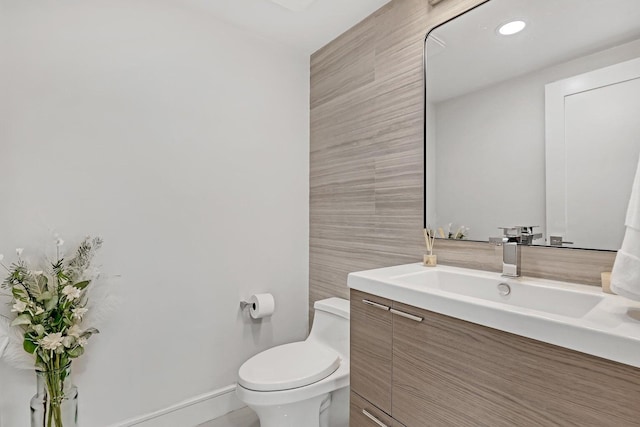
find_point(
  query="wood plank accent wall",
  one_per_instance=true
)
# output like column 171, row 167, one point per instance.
column 366, row 167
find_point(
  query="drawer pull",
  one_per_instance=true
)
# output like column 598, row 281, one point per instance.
column 407, row 315
column 375, row 304
column 374, row 419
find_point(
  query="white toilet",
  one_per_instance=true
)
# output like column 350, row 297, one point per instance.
column 306, row 383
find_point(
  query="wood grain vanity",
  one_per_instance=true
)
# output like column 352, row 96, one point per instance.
column 413, row 367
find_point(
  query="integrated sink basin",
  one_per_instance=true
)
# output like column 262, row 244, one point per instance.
column 574, row 316
column 521, row 293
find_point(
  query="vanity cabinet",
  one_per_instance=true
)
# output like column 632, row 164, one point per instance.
column 449, row 372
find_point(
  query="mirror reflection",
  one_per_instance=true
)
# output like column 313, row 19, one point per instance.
column 531, row 120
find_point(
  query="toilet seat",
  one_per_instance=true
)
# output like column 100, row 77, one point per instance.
column 288, row 366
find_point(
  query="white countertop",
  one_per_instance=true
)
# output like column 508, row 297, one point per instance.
column 574, row 316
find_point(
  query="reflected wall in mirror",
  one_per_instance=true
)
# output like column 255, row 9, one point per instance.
column 537, row 128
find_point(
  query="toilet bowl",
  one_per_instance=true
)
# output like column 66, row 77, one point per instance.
column 306, row 383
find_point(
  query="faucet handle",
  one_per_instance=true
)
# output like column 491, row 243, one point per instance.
column 511, row 231
column 521, row 234
column 527, row 229
column 512, row 234
column 498, row 241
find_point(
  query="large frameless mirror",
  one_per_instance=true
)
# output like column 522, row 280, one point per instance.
column 532, row 113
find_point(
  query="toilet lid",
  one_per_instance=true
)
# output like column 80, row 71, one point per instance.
column 288, row 366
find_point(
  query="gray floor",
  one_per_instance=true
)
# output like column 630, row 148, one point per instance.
column 244, row 417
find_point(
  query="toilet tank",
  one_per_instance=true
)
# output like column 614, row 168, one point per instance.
column 331, row 324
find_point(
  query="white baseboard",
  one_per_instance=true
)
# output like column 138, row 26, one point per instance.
column 191, row 412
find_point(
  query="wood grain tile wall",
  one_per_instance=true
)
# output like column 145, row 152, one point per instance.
column 366, row 174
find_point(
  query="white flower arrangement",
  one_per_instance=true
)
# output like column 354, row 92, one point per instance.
column 48, row 306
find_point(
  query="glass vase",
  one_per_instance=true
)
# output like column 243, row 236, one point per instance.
column 56, row 402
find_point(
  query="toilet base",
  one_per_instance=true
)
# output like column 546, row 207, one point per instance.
column 338, row 413
column 304, row 413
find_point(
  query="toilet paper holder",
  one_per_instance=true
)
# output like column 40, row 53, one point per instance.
column 260, row 305
column 244, row 304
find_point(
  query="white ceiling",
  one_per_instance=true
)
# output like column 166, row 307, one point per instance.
column 306, row 30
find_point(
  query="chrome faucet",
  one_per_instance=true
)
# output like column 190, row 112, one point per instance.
column 511, row 259
column 510, row 242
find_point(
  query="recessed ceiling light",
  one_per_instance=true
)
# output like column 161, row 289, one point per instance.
column 512, row 27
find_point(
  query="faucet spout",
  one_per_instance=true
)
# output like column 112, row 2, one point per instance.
column 510, row 243
column 511, row 259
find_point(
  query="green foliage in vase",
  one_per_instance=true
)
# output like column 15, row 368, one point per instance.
column 50, row 304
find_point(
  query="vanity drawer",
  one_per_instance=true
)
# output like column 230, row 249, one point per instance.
column 363, row 414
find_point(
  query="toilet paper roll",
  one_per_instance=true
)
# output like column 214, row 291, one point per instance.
column 262, row 305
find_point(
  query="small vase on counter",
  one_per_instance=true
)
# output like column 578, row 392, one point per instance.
column 430, row 260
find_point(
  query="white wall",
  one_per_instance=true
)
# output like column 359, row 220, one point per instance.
column 183, row 141
column 490, row 167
